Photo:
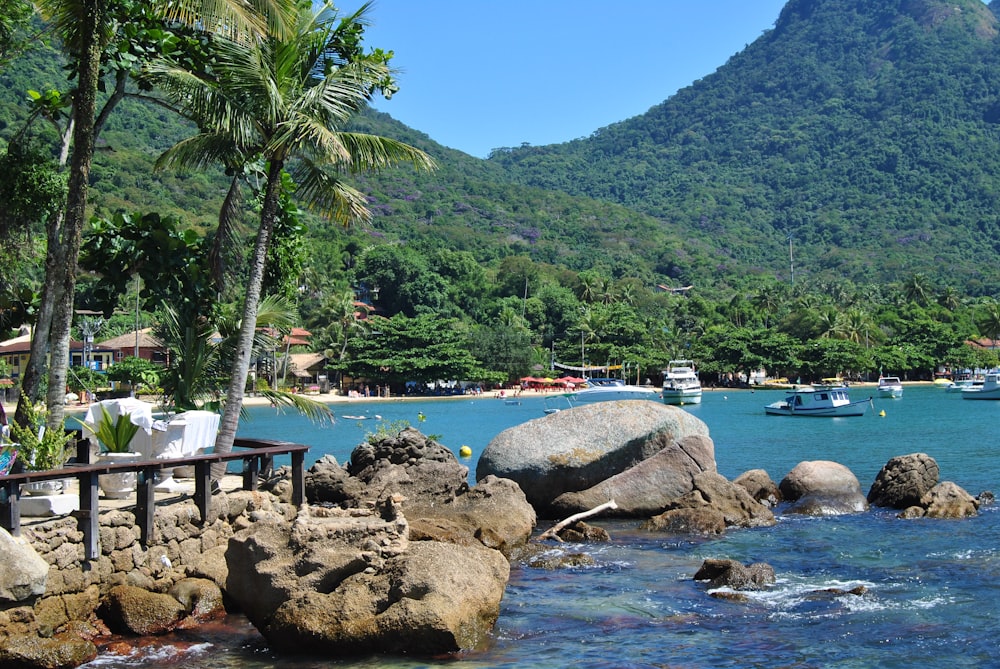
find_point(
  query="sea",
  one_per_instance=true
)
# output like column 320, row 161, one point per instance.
column 929, row 588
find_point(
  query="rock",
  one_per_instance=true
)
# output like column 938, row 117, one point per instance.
column 579, row 448
column 23, row 572
column 435, row 598
column 58, row 652
column 328, row 482
column 904, row 480
column 648, row 487
column 820, row 504
column 821, row 487
column 201, row 599
column 581, row 532
column 760, row 486
column 712, row 498
column 702, row 520
column 948, row 500
column 493, row 513
column 411, row 465
column 732, row 574
column 134, row 610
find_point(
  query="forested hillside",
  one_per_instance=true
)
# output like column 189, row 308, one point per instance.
column 866, row 131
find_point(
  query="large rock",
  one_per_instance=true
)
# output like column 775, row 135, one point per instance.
column 732, row 574
column 712, row 501
column 31, row 651
column 23, row 572
column 577, row 449
column 821, row 487
column 948, row 500
column 430, row 488
column 648, row 487
column 137, row 611
column 337, row 588
column 904, row 480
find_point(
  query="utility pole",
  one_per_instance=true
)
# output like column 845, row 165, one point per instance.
column 791, row 261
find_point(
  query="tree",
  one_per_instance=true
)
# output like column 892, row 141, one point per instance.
column 399, row 349
column 283, row 98
column 85, row 28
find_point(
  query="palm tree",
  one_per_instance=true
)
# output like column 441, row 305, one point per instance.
column 281, row 99
column 85, row 28
column 989, row 321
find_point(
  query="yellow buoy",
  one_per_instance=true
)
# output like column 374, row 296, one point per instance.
column 882, row 413
column 465, row 452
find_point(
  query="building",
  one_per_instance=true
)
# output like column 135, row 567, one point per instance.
column 140, row 343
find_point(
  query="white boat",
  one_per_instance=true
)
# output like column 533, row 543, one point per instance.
column 604, row 390
column 890, row 386
column 990, row 390
column 681, row 384
column 825, row 401
column 962, row 384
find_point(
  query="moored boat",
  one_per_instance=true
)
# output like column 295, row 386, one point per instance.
column 603, row 390
column 681, row 384
column 824, row 401
column 890, row 386
column 990, row 390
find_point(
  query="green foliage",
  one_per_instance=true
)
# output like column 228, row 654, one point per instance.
column 80, row 379
column 40, row 449
column 135, row 371
column 386, row 430
column 114, row 434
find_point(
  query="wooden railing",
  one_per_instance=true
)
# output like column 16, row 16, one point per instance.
column 257, row 456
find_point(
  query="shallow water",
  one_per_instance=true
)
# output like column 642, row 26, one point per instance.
column 930, row 585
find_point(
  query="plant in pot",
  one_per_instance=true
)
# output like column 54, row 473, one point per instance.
column 115, row 437
column 39, row 449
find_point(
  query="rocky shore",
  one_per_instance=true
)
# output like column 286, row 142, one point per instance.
column 368, row 565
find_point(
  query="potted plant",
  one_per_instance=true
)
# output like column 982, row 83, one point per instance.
column 115, row 436
column 39, row 449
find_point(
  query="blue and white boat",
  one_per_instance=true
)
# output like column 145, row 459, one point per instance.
column 823, row 401
column 990, row 390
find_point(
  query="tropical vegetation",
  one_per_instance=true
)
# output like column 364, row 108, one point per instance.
column 670, row 235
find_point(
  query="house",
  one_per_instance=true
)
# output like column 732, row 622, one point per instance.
column 308, row 369
column 15, row 352
column 139, row 343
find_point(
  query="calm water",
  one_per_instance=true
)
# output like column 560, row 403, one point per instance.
column 932, row 586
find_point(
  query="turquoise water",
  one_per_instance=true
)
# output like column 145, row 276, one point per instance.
column 931, row 586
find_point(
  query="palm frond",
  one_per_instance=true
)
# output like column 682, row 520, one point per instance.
column 330, row 195
column 315, row 410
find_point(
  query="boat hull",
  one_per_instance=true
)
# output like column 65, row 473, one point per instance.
column 977, row 394
column 681, row 397
column 890, row 393
column 853, row 409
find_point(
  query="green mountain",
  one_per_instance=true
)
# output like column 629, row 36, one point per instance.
column 867, row 131
column 861, row 136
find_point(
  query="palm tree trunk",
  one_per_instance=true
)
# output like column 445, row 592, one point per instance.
column 64, row 283
column 248, row 325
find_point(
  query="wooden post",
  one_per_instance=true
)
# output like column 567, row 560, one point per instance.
column 11, row 520
column 202, row 487
column 87, row 516
column 251, row 472
column 298, row 478
column 145, row 504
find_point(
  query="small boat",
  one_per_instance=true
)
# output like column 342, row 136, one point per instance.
column 603, row 390
column 890, row 386
column 962, row 384
column 990, row 390
column 681, row 384
column 825, row 401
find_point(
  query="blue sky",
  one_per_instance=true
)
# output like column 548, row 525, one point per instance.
column 481, row 74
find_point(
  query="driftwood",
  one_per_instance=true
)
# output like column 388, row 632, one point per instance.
column 553, row 532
